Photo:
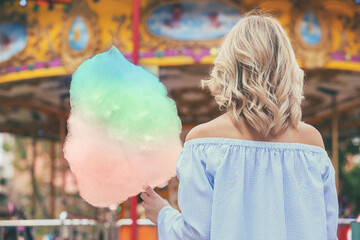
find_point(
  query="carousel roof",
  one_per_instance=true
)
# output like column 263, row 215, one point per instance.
column 34, row 107
column 322, row 86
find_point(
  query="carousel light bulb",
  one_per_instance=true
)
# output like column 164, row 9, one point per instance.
column 23, row 3
column 213, row 51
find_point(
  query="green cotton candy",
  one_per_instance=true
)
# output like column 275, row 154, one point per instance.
column 125, row 100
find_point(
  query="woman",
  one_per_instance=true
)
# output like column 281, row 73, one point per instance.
column 255, row 172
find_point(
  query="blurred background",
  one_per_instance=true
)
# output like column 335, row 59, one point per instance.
column 42, row 42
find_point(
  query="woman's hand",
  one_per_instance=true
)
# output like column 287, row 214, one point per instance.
column 152, row 203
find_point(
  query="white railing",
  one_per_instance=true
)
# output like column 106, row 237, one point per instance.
column 64, row 229
column 70, row 229
column 346, row 221
column 47, row 222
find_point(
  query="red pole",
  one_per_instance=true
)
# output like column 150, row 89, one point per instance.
column 135, row 28
column 135, row 32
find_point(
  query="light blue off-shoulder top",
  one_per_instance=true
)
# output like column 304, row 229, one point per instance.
column 233, row 189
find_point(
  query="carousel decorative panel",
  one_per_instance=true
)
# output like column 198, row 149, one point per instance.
column 13, row 36
column 13, row 39
column 310, row 29
column 78, row 36
column 189, row 24
column 188, row 21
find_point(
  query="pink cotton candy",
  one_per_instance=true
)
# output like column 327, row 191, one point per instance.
column 110, row 171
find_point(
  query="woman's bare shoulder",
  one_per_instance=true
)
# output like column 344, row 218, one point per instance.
column 222, row 127
column 310, row 135
column 196, row 132
column 208, row 129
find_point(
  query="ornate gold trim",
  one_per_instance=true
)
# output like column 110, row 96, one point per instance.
column 72, row 58
column 116, row 39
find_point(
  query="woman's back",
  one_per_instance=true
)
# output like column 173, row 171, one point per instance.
column 256, row 172
column 264, row 190
column 255, row 189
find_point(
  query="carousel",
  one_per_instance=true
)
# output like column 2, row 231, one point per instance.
column 42, row 42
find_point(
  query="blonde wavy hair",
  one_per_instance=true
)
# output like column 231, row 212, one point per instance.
column 256, row 76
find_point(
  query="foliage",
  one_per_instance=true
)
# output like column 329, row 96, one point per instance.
column 350, row 187
column 349, row 182
column 7, row 146
column 3, row 181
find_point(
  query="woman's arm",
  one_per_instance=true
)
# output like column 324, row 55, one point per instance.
column 195, row 201
column 331, row 202
column 152, row 203
column 157, row 208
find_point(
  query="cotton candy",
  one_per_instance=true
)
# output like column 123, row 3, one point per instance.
column 123, row 130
